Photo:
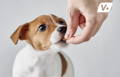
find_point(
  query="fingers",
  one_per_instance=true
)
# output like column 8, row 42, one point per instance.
column 86, row 33
column 82, row 21
column 90, row 29
column 73, row 22
column 82, row 26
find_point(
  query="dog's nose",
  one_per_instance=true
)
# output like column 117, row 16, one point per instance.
column 62, row 29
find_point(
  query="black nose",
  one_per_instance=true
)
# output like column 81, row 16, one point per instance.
column 62, row 29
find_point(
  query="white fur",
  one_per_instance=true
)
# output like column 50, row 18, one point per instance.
column 32, row 63
column 56, row 36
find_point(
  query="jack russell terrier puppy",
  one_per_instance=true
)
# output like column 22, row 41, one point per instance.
column 42, row 57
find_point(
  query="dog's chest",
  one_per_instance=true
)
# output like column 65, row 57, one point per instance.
column 31, row 63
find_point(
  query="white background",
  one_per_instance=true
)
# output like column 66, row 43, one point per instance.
column 100, row 57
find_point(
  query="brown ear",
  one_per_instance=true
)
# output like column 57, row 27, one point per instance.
column 20, row 33
column 53, row 15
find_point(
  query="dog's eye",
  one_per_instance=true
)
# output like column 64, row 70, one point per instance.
column 61, row 22
column 42, row 27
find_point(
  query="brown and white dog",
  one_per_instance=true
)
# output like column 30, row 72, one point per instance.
column 42, row 57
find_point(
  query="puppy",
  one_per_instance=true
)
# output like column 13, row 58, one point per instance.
column 42, row 56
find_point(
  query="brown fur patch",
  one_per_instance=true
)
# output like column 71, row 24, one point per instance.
column 20, row 33
column 40, row 40
column 63, row 62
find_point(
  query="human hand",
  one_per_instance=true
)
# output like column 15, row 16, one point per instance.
column 83, row 14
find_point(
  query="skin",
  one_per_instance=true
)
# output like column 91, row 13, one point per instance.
column 83, row 14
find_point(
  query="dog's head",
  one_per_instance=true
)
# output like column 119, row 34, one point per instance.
column 42, row 33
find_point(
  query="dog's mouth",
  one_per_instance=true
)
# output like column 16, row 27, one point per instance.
column 62, row 40
column 61, row 43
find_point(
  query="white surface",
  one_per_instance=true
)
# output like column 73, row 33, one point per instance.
column 96, row 58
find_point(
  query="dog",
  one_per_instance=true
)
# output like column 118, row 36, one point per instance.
column 42, row 57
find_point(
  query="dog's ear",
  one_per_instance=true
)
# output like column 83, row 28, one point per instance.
column 20, row 33
column 54, row 16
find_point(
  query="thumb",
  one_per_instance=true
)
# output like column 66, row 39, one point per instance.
column 73, row 22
